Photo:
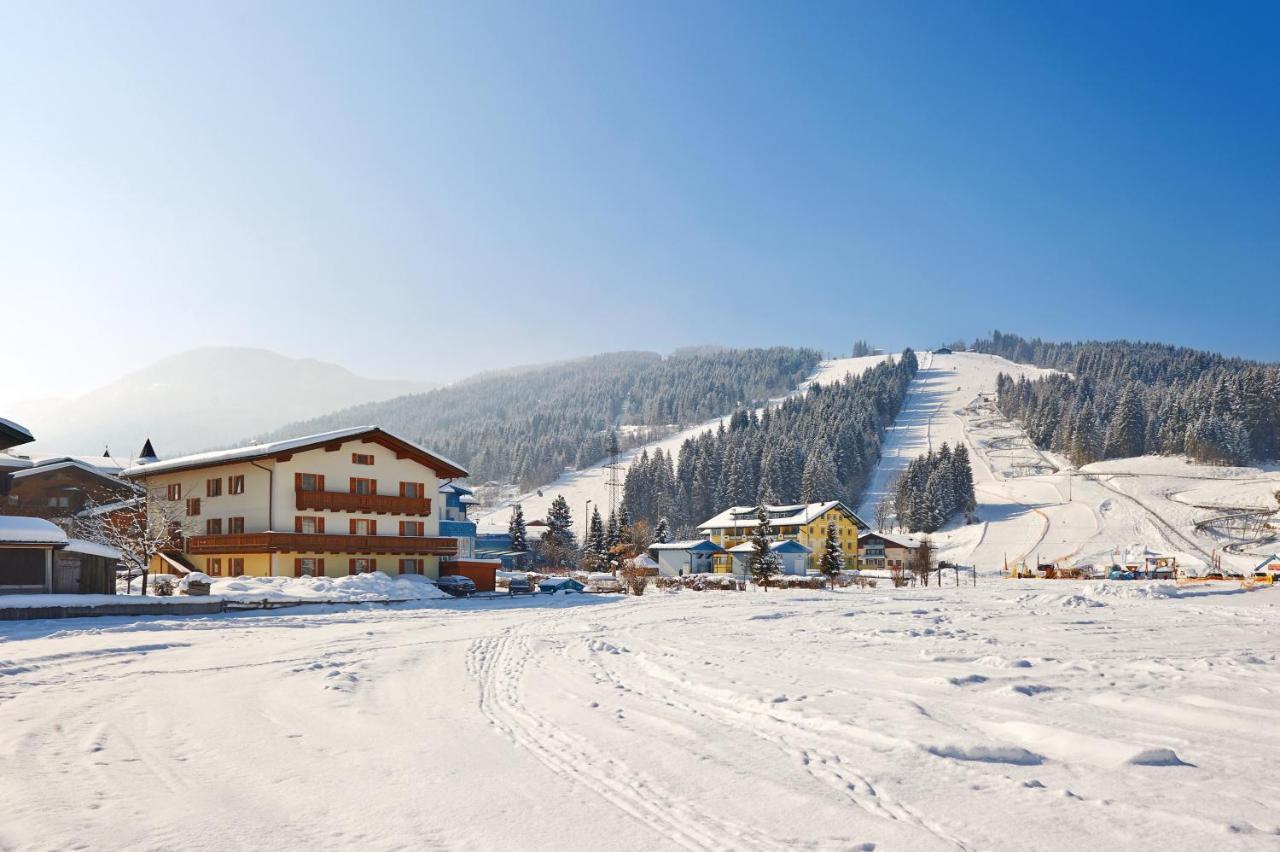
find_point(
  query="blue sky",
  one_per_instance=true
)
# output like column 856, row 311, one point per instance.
column 425, row 190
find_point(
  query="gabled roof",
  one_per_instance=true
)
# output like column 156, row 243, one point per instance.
column 276, row 449
column 794, row 514
column 11, row 434
column 900, row 540
column 699, row 545
column 47, row 466
column 786, row 545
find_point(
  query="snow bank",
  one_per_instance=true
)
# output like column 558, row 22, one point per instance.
column 356, row 588
column 1131, row 590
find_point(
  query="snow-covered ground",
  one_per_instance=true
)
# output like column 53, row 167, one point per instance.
column 1014, row 715
column 1034, row 504
column 579, row 486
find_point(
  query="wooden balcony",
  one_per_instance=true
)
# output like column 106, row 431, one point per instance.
column 379, row 504
column 287, row 542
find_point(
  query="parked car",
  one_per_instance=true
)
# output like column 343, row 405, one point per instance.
column 459, row 587
column 519, row 586
column 559, row 584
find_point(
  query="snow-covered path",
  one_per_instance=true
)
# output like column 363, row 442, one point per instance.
column 1006, row 716
column 1032, row 505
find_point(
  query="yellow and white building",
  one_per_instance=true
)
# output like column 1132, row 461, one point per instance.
column 801, row 522
column 344, row 502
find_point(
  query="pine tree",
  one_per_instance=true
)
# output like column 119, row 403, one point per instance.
column 762, row 564
column 612, row 536
column 1127, row 428
column 819, row 483
column 624, row 524
column 832, row 558
column 559, row 524
column 962, row 479
column 661, row 533
column 517, row 533
column 594, row 547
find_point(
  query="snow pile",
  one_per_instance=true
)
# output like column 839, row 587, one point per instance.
column 355, row 588
column 1059, row 599
column 1132, row 590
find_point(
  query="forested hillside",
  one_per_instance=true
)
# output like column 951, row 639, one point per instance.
column 818, row 446
column 528, row 425
column 1125, row 399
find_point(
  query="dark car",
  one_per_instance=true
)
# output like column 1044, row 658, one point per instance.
column 459, row 587
column 519, row 586
column 551, row 585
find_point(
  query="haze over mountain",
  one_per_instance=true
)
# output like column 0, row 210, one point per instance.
column 202, row 398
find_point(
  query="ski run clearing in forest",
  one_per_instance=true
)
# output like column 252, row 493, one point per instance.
column 589, row 483
column 1033, row 504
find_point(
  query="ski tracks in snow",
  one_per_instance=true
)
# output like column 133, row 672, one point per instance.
column 498, row 664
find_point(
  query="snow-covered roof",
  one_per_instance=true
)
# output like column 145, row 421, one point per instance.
column 10, row 462
column 91, row 548
column 698, row 544
column 442, row 465
column 798, row 514
column 11, row 434
column 108, row 508
column 454, row 488
column 900, row 540
column 15, row 529
column 643, row 561
column 64, row 463
column 786, row 545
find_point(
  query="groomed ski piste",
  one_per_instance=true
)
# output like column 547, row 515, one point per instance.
column 1035, row 507
column 1009, row 715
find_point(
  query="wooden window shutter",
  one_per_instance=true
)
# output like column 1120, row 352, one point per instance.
column 297, row 524
column 352, row 486
column 352, row 523
column 297, row 567
column 320, row 482
column 351, row 566
column 373, row 486
column 320, row 524
column 402, row 485
column 297, row 482
column 422, row 489
column 373, row 527
column 319, row 567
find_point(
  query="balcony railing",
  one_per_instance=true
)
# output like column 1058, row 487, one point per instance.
column 381, row 504
column 287, row 542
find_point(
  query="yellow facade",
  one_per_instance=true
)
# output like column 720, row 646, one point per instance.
column 812, row 535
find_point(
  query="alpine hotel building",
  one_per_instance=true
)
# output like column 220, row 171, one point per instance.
column 345, row 502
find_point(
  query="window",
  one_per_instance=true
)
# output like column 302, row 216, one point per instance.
column 308, row 482
column 213, row 567
column 23, row 566
column 308, row 567
column 213, row 526
column 412, row 489
column 174, row 492
column 413, row 528
column 59, row 502
column 193, row 506
column 308, row 524
column 235, row 484
column 235, row 567
column 213, row 487
column 360, row 485
column 363, row 565
column 360, row 526
column 235, row 526
column 411, row 566
column 361, row 458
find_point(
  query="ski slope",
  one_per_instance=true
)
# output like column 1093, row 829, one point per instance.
column 1010, row 716
column 589, row 484
column 1035, row 506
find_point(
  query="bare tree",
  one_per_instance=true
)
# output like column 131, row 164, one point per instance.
column 140, row 528
column 922, row 560
column 884, row 511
